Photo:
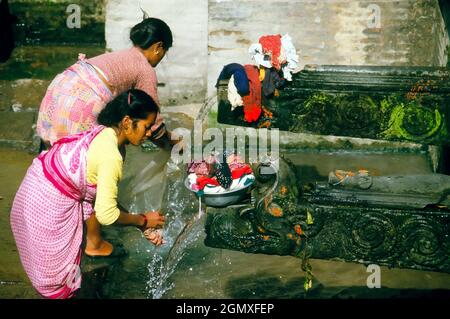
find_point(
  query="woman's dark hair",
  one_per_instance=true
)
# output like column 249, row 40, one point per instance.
column 150, row 31
column 135, row 103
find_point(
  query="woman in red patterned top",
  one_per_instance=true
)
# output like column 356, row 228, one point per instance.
column 75, row 97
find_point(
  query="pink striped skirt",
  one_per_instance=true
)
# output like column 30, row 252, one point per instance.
column 48, row 230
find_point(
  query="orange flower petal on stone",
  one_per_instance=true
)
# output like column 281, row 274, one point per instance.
column 276, row 211
column 298, row 230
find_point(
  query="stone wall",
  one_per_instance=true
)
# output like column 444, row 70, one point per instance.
column 46, row 22
column 211, row 33
column 182, row 73
column 47, row 40
column 364, row 32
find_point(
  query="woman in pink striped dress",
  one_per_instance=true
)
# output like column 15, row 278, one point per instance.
column 64, row 185
column 75, row 97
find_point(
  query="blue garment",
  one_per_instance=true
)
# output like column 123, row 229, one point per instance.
column 240, row 77
column 272, row 81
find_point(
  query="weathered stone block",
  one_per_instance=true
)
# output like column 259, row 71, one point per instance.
column 394, row 33
column 45, row 22
column 17, row 129
column 332, row 221
column 25, row 93
column 391, row 103
column 43, row 62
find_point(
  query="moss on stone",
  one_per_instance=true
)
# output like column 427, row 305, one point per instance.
column 413, row 122
column 45, row 22
column 43, row 62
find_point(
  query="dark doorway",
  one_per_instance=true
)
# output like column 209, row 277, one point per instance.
column 6, row 31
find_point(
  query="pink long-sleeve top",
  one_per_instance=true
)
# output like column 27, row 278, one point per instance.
column 127, row 69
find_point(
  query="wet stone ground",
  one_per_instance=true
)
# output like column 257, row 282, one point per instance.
column 197, row 271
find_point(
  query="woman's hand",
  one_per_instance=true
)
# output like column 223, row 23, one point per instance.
column 154, row 220
column 155, row 236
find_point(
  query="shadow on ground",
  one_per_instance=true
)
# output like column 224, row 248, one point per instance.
column 261, row 286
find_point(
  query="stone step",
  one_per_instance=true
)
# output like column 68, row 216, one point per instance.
column 24, row 94
column 43, row 62
column 375, row 102
column 17, row 130
column 24, row 78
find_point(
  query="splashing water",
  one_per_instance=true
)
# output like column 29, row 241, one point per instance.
column 160, row 269
column 185, row 236
column 183, row 229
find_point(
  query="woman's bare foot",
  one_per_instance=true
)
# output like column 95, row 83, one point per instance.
column 101, row 248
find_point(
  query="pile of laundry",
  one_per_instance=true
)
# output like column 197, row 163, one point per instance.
column 250, row 86
column 219, row 173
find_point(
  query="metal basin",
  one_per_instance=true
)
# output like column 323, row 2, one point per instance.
column 223, row 199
